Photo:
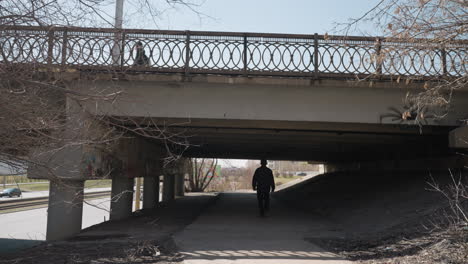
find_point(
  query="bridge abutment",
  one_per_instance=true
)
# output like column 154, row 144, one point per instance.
column 437, row 163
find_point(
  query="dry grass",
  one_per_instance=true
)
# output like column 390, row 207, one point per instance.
column 447, row 246
column 98, row 252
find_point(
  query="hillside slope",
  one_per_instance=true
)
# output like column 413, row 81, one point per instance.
column 382, row 215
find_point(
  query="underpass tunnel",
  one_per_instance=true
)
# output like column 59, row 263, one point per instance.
column 372, row 180
column 350, row 148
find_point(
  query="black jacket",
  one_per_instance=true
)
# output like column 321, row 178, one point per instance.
column 263, row 180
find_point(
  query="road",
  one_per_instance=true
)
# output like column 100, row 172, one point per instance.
column 46, row 193
column 27, row 228
column 231, row 232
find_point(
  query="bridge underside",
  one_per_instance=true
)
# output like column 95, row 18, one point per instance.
column 347, row 125
column 310, row 141
column 278, row 118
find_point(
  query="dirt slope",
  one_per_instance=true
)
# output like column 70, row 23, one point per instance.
column 377, row 211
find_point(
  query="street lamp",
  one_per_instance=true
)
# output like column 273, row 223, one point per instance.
column 118, row 25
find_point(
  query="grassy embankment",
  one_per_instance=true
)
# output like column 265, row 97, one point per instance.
column 30, row 185
column 285, row 179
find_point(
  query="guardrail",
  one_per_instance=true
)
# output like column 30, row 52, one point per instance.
column 315, row 56
column 27, row 203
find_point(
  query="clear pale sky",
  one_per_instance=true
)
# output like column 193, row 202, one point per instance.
column 273, row 16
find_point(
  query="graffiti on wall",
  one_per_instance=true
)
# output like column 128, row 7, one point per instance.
column 98, row 164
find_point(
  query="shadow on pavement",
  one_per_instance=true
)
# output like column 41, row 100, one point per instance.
column 231, row 229
column 265, row 252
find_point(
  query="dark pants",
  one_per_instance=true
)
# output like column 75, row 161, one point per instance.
column 263, row 198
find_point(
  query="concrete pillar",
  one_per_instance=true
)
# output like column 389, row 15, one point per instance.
column 64, row 215
column 458, row 138
column 150, row 192
column 138, row 193
column 122, row 198
column 168, row 187
column 180, row 183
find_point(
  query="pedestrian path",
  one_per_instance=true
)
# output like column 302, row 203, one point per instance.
column 232, row 232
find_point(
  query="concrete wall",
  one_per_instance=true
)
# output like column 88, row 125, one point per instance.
column 429, row 164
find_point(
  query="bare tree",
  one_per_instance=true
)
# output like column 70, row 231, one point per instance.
column 97, row 13
column 34, row 99
column 440, row 25
column 201, row 173
column 456, row 194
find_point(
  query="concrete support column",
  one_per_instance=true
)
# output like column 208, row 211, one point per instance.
column 168, row 187
column 458, row 138
column 64, row 215
column 150, row 192
column 180, row 183
column 122, row 198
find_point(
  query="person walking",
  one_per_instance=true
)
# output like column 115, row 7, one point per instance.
column 263, row 182
column 140, row 58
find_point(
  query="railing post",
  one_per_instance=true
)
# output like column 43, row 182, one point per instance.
column 50, row 48
column 187, row 52
column 316, row 57
column 64, row 47
column 444, row 61
column 244, row 59
column 122, row 49
column 378, row 57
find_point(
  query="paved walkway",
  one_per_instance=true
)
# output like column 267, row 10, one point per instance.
column 231, row 232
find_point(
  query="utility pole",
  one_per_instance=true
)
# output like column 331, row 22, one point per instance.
column 118, row 13
column 118, row 25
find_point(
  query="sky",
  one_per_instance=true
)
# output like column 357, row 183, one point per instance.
column 233, row 163
column 269, row 16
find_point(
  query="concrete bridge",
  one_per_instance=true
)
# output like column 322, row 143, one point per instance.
column 338, row 100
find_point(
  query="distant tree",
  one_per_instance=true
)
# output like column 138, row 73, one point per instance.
column 201, row 173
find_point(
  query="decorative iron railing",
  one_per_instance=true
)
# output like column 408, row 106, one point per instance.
column 188, row 52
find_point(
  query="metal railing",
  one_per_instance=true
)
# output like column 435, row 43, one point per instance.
column 314, row 56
